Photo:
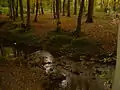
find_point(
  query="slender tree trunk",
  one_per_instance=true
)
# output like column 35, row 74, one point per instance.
column 2, row 50
column 10, row 8
column 114, row 5
column 54, row 13
column 13, row 9
column 68, row 8
column 90, row 11
column 101, row 4
column 75, row 7
column 21, row 10
column 34, row 7
column 36, row 11
column 41, row 7
column 78, row 28
column 64, row 1
column 58, row 16
column 60, row 6
column 16, row 8
column 85, row 5
column 28, row 13
column 116, row 82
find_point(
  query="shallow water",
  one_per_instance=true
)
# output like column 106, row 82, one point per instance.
column 68, row 68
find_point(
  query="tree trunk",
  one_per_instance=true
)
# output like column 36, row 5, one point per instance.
column 16, row 8
column 60, row 8
column 2, row 50
column 58, row 16
column 41, row 7
column 33, row 7
column 75, row 7
column 90, row 11
column 68, row 8
column 13, row 9
column 28, row 13
column 21, row 10
column 36, row 11
column 54, row 13
column 10, row 8
column 114, row 5
column 64, row 1
column 78, row 28
column 116, row 82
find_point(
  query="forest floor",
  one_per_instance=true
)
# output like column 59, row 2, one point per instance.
column 104, row 29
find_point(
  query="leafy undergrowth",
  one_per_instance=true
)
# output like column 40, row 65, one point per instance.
column 14, row 34
column 104, row 28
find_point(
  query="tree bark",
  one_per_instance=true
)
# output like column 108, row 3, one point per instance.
column 10, row 8
column 114, row 5
column 64, row 1
column 116, row 82
column 68, row 8
column 90, row 11
column 54, row 13
column 2, row 50
column 28, row 13
column 21, row 10
column 36, row 11
column 78, row 28
column 41, row 7
column 16, row 8
column 58, row 16
column 13, row 8
column 60, row 8
column 75, row 7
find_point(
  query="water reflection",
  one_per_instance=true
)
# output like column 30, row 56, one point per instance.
column 72, row 79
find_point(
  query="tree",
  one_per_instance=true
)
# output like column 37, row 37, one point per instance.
column 21, row 9
column 10, row 8
column 16, row 8
column 78, row 28
column 13, row 9
column 36, row 11
column 68, row 8
column 28, row 13
column 116, row 82
column 58, row 16
column 114, row 5
column 54, row 14
column 64, row 1
column 60, row 8
column 90, row 11
column 75, row 7
column 41, row 7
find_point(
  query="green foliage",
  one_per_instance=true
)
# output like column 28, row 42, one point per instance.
column 14, row 35
column 4, row 10
column 3, row 59
column 80, row 47
column 56, row 42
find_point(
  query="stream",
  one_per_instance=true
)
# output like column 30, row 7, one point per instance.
column 72, row 71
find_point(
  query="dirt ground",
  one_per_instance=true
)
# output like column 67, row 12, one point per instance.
column 18, row 78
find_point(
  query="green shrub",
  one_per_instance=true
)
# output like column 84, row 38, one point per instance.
column 80, row 47
column 56, row 42
column 3, row 59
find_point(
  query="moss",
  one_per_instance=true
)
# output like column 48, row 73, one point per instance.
column 80, row 47
column 56, row 42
